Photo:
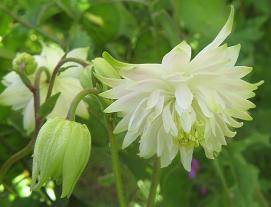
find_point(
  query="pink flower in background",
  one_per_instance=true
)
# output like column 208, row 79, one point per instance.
column 194, row 168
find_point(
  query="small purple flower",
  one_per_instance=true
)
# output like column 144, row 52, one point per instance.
column 194, row 168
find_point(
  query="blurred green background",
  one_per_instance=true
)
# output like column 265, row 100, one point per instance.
column 143, row 31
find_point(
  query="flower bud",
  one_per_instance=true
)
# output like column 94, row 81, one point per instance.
column 61, row 153
column 104, row 69
column 86, row 77
column 24, row 62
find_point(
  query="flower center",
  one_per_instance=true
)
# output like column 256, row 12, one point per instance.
column 191, row 139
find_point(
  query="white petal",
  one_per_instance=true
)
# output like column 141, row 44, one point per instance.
column 187, row 119
column 69, row 88
column 148, row 141
column 126, row 102
column 123, row 124
column 16, row 95
column 153, row 99
column 161, row 142
column 157, row 110
column 222, row 35
column 138, row 116
column 186, row 157
column 168, row 121
column 80, row 53
column 183, row 96
column 178, row 58
column 129, row 138
column 143, row 71
column 204, row 107
column 28, row 117
column 49, row 56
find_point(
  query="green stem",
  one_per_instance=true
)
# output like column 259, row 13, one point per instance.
column 223, row 181
column 115, row 163
column 27, row 24
column 28, row 148
column 76, row 101
column 62, row 61
column 154, row 183
column 16, row 157
column 26, row 81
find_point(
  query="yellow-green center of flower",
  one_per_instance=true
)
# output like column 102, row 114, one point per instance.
column 191, row 139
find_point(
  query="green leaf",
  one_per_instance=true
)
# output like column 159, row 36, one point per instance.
column 204, row 17
column 102, row 21
column 146, row 49
column 79, row 38
column 170, row 28
column 47, row 107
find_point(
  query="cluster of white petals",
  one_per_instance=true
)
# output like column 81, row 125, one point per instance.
column 19, row 96
column 182, row 103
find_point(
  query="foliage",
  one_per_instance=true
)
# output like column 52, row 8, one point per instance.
column 142, row 31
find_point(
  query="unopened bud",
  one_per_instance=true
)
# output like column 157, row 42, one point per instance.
column 24, row 62
column 61, row 153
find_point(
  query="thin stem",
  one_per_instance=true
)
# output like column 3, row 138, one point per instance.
column 27, row 24
column 26, row 81
column 223, row 181
column 76, row 101
column 62, row 61
column 115, row 163
column 16, row 157
column 154, row 183
column 28, row 148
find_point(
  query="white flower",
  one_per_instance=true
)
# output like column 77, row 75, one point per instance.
column 19, row 97
column 181, row 103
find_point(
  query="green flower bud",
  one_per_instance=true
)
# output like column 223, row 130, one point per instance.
column 24, row 62
column 104, row 69
column 86, row 77
column 61, row 153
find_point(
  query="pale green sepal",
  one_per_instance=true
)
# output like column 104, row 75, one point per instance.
column 86, row 77
column 186, row 157
column 103, row 68
column 117, row 64
column 75, row 163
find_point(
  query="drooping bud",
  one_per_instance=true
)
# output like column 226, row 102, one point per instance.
column 61, row 153
column 24, row 62
column 104, row 69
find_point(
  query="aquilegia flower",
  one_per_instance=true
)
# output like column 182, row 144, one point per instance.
column 182, row 103
column 19, row 97
column 61, row 153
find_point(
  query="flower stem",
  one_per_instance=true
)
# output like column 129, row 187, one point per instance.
column 62, row 61
column 223, row 181
column 154, row 183
column 115, row 163
column 76, row 101
column 28, row 148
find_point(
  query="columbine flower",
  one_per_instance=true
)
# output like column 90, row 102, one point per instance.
column 182, row 103
column 19, row 97
column 61, row 153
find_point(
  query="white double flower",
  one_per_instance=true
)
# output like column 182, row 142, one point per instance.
column 182, row 103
